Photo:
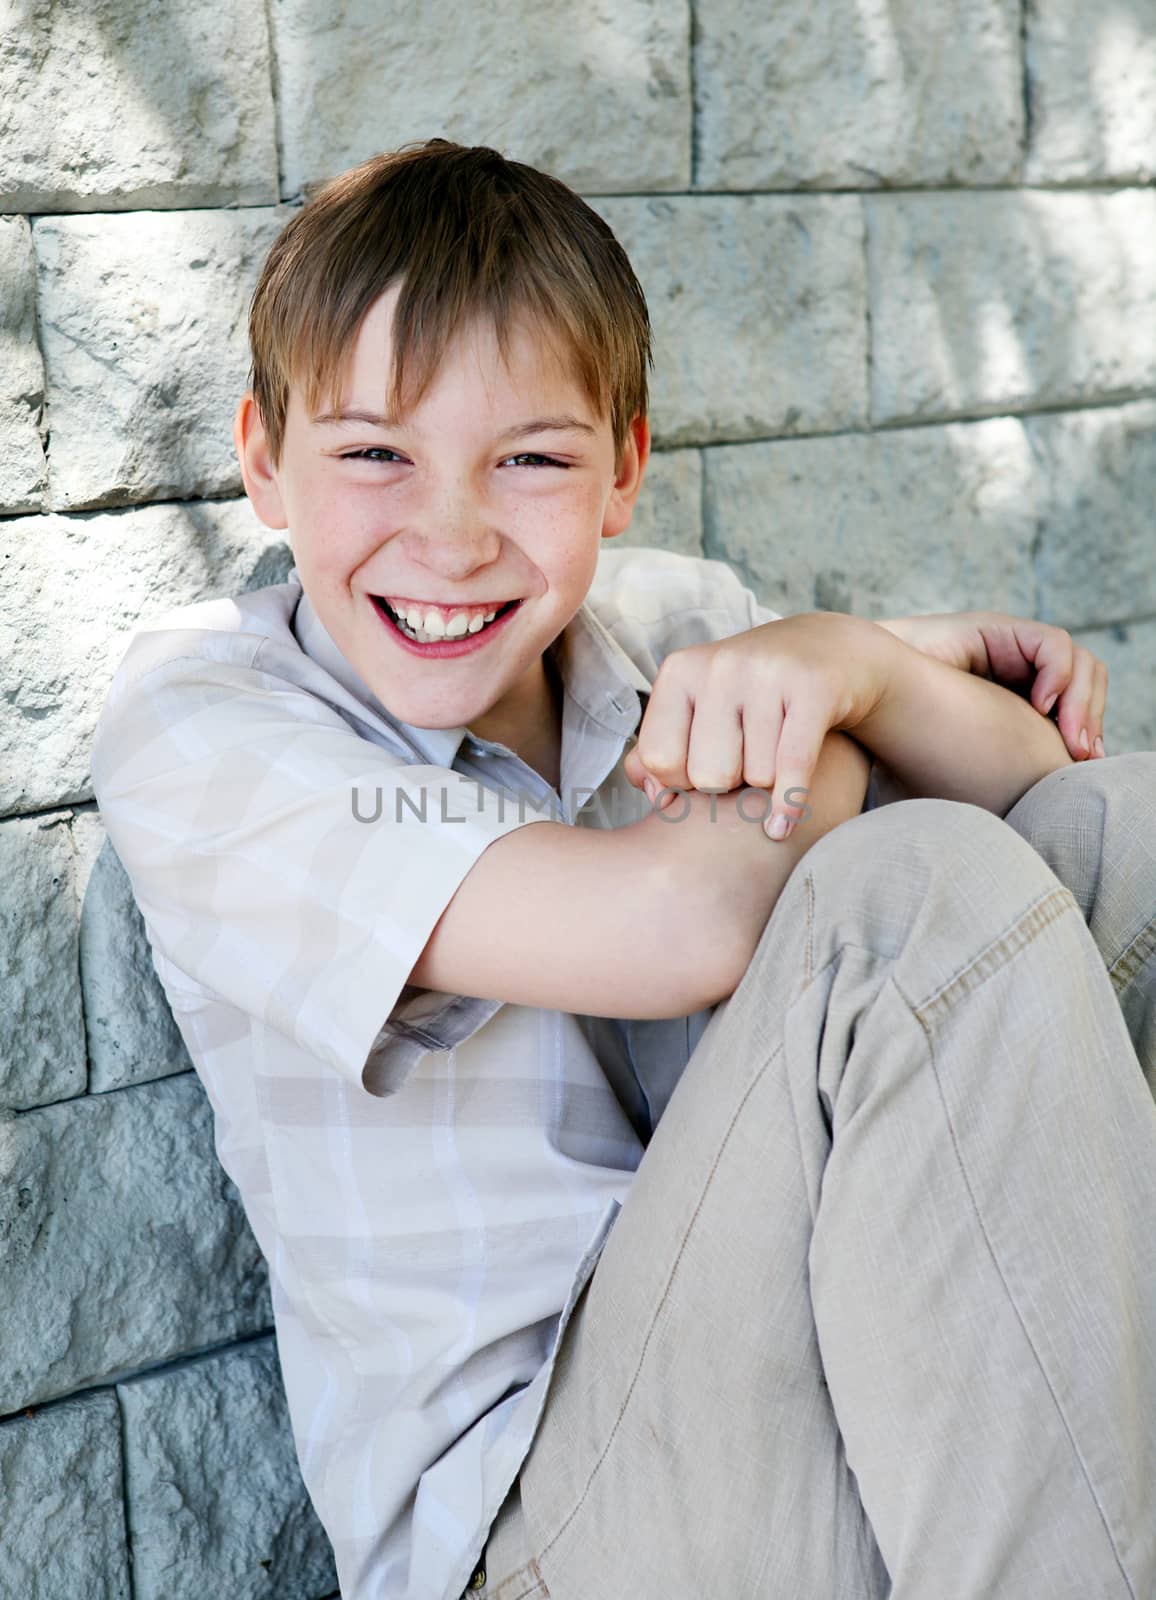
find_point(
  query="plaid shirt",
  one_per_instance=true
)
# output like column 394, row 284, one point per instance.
column 431, row 1177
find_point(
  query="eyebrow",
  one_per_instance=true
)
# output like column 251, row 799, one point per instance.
column 562, row 424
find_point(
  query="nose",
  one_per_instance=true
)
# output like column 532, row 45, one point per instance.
column 453, row 543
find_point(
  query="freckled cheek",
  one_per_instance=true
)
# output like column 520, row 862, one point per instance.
column 565, row 538
column 341, row 549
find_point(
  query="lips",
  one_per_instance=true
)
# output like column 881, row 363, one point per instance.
column 448, row 648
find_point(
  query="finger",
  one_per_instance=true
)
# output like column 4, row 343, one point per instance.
column 1099, row 701
column 1009, row 647
column 664, row 736
column 637, row 774
column 633, row 768
column 761, row 731
column 1054, row 663
column 715, row 749
column 805, row 726
column 1074, row 706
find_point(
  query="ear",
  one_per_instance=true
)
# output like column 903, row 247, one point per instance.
column 261, row 478
column 627, row 484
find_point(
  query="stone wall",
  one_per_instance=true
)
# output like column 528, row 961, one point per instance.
column 901, row 262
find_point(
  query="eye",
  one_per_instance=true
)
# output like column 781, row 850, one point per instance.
column 363, row 455
column 381, row 450
column 549, row 460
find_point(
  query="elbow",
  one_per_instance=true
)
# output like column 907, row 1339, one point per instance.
column 704, row 946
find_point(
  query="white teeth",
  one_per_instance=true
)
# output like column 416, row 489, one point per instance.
column 429, row 625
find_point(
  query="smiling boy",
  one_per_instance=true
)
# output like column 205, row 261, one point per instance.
column 471, row 532
column 438, row 1044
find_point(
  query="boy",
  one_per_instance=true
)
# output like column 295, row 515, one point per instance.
column 438, row 1027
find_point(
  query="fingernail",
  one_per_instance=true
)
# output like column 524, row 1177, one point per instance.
column 780, row 826
column 1050, row 702
column 651, row 789
column 1099, row 745
column 1084, row 740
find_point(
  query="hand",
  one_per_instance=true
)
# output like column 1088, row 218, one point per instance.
column 754, row 709
column 1038, row 661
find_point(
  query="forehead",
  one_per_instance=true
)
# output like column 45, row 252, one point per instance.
column 536, row 367
column 533, row 348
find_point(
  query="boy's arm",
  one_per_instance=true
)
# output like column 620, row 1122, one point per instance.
column 949, row 735
column 655, row 919
column 1037, row 661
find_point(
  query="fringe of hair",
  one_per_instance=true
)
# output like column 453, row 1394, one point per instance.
column 468, row 234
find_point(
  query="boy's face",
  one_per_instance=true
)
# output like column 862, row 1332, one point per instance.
column 445, row 509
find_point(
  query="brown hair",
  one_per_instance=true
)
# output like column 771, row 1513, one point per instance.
column 469, row 234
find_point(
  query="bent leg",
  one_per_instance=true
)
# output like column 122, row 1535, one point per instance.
column 1094, row 823
column 879, row 1313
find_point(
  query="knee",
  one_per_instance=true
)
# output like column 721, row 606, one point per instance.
column 938, row 831
column 1086, row 789
column 1081, row 815
column 930, row 881
column 925, row 860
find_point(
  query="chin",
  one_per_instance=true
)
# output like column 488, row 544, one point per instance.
column 420, row 717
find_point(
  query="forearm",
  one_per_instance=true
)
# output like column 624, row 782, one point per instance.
column 953, row 735
column 725, row 875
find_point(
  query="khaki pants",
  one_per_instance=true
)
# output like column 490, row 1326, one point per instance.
column 878, row 1316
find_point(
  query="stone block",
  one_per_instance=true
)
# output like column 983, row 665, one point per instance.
column 857, row 94
column 75, row 588
column 144, row 328
column 216, row 1502
column 131, row 1034
column 1091, row 85
column 758, row 308
column 1094, row 563
column 123, row 1242
column 23, row 479
column 41, row 1022
column 113, row 107
column 62, row 1531
column 984, row 303
column 884, row 524
column 600, row 99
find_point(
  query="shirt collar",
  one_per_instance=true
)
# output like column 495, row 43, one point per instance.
column 596, row 673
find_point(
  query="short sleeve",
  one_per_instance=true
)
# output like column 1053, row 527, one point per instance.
column 755, row 613
column 760, row 613
column 283, row 862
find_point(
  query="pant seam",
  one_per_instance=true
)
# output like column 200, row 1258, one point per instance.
column 1130, row 961
column 665, row 1296
column 527, row 1573
column 809, row 883
column 1038, row 917
column 537, row 1587
column 933, row 1008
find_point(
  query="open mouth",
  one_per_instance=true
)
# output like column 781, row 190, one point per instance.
column 420, row 636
